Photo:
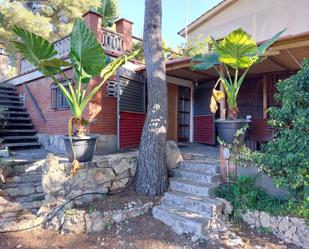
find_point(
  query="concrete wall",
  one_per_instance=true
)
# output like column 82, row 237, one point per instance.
column 263, row 181
column 262, row 19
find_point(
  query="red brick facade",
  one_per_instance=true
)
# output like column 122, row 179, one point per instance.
column 102, row 109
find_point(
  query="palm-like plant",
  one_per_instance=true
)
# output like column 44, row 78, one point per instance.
column 237, row 52
column 87, row 61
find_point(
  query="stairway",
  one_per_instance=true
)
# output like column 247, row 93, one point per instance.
column 18, row 132
column 190, row 208
column 21, row 196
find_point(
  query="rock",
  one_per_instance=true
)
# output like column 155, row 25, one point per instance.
column 117, row 184
column 125, row 174
column 133, row 165
column 173, row 155
column 227, row 207
column 284, row 225
column 265, row 219
column 52, row 160
column 103, row 175
column 289, row 234
column 249, row 218
column 74, row 223
column 121, row 167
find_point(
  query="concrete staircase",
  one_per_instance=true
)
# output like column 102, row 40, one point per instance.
column 18, row 132
column 22, row 195
column 190, row 208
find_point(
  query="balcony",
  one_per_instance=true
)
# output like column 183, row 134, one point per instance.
column 112, row 43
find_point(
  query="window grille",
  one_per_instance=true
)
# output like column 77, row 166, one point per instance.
column 111, row 88
column 58, row 100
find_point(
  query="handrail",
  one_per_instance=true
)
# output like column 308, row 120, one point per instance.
column 111, row 42
column 35, row 103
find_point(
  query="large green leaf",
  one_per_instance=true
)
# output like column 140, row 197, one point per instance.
column 237, row 49
column 33, row 47
column 52, row 66
column 263, row 47
column 205, row 61
column 87, row 54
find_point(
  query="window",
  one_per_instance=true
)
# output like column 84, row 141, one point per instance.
column 58, row 100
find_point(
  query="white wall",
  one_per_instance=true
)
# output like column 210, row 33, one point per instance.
column 260, row 18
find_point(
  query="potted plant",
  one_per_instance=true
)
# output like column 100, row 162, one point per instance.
column 237, row 52
column 87, row 60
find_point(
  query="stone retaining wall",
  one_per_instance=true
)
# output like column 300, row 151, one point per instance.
column 103, row 174
column 290, row 229
column 81, row 221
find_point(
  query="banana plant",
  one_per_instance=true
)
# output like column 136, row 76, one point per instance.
column 237, row 52
column 87, row 59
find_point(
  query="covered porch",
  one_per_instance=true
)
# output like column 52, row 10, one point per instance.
column 283, row 59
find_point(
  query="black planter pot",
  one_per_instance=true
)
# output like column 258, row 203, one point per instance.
column 227, row 129
column 83, row 147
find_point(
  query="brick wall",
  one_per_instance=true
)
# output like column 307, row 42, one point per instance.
column 102, row 107
column 56, row 121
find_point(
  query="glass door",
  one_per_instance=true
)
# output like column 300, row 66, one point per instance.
column 184, row 114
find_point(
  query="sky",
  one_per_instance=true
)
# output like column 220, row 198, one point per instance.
column 174, row 16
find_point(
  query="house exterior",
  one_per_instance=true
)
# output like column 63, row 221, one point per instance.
column 119, row 109
column 262, row 19
column 46, row 105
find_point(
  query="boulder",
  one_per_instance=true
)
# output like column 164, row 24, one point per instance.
column 173, row 155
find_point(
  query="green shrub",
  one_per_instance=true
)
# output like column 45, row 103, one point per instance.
column 286, row 158
column 244, row 195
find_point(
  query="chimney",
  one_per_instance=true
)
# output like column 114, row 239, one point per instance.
column 94, row 22
column 124, row 26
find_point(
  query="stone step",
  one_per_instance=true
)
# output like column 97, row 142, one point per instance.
column 206, row 206
column 17, row 131
column 36, row 166
column 13, row 138
column 7, row 96
column 200, row 166
column 192, row 156
column 7, row 86
column 17, row 207
column 187, row 186
column 195, row 176
column 20, row 189
column 9, row 102
column 13, row 107
column 15, row 119
column 25, row 178
column 19, row 185
column 10, row 124
column 183, row 221
column 16, row 113
column 22, row 145
column 7, row 92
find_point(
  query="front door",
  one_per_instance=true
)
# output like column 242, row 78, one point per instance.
column 172, row 94
column 184, row 114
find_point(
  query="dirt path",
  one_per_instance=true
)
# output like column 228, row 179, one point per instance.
column 140, row 233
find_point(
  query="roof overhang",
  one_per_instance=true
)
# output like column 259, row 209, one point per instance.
column 206, row 16
column 284, row 56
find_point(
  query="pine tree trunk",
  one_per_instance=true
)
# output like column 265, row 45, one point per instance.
column 151, row 176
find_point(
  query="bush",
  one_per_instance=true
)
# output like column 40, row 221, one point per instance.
column 286, row 158
column 244, row 195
